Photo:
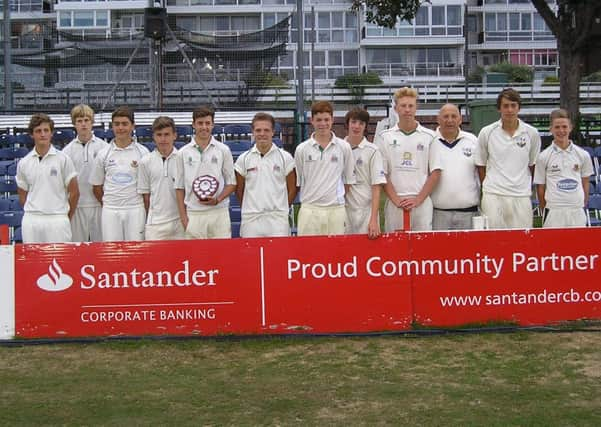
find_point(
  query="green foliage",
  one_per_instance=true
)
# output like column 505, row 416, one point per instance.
column 515, row 73
column 356, row 83
column 595, row 77
column 386, row 13
column 476, row 76
column 551, row 81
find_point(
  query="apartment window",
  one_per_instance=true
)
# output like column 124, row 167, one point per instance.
column 80, row 18
column 422, row 22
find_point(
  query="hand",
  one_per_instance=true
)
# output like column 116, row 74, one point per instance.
column 210, row 202
column 409, row 203
column 185, row 221
column 373, row 229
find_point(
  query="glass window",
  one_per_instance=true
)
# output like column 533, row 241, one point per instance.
column 287, row 60
column 514, row 21
column 323, row 20
column 64, row 18
column 83, row 18
column 351, row 57
column 422, row 16
column 187, row 23
column 438, row 15
column 501, row 21
column 337, row 36
column 337, row 20
column 207, row 24
column 222, row 23
column 319, row 58
column 490, row 22
column 351, row 20
column 308, row 20
column 323, row 36
column 268, row 19
column 453, row 15
column 102, row 19
column 334, row 58
column 526, row 21
column 351, row 36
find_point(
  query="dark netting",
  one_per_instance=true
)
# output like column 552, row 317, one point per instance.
column 238, row 65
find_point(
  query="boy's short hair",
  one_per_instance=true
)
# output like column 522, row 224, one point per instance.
column 559, row 113
column 38, row 119
column 163, row 122
column 322, row 107
column 82, row 110
column 405, row 91
column 203, row 111
column 357, row 114
column 123, row 111
column 263, row 117
column 510, row 94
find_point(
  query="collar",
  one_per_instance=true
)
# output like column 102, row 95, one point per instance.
column 332, row 140
column 158, row 153
column 361, row 145
column 255, row 150
column 212, row 141
column 51, row 151
column 449, row 144
column 79, row 141
column 558, row 149
column 131, row 145
column 520, row 129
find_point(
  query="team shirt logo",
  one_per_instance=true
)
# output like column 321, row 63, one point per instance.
column 214, row 160
column 53, row 172
column 576, row 168
column 134, row 164
column 521, row 141
column 554, row 168
column 407, row 159
column 334, row 159
column 420, row 147
column 467, row 152
column 359, row 162
column 567, row 185
column 276, row 168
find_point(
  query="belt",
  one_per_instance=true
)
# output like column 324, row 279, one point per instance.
column 470, row 209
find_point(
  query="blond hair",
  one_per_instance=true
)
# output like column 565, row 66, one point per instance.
column 82, row 110
column 405, row 91
column 560, row 113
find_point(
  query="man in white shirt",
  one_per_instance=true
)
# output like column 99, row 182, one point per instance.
column 363, row 197
column 457, row 195
column 324, row 172
column 208, row 163
column 562, row 176
column 505, row 157
column 114, row 179
column 47, row 187
column 156, row 179
column 85, row 223
column 265, row 183
column 411, row 170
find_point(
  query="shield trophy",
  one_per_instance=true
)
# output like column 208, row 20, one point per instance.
column 205, row 187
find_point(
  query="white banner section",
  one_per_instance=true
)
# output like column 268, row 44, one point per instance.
column 7, row 292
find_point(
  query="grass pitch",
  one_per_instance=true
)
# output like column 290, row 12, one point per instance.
column 521, row 378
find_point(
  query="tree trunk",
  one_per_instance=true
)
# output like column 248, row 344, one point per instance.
column 570, row 71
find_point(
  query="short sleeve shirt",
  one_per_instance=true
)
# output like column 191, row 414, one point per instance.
column 83, row 156
column 322, row 173
column 407, row 158
column 265, row 185
column 46, row 181
column 156, row 177
column 215, row 160
column 369, row 171
column 459, row 185
column 116, row 169
column 507, row 158
column 561, row 171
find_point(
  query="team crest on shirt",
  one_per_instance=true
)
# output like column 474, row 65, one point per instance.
column 134, row 163
column 190, row 160
column 359, row 162
column 576, row 168
column 467, row 151
column 214, row 160
column 394, row 142
column 276, row 168
column 334, row 159
column 521, row 141
column 53, row 172
column 420, row 147
column 554, row 168
column 407, row 159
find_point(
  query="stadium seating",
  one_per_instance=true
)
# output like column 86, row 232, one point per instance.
column 184, row 133
column 23, row 140
column 11, row 170
column 4, row 204
column 278, row 142
column 150, row 145
column 235, row 214
column 17, row 236
column 594, row 206
column 235, row 229
column 238, row 147
column 62, row 137
column 144, row 134
column 11, row 153
column 12, row 219
column 8, row 185
column 4, row 165
column 7, row 140
column 237, row 131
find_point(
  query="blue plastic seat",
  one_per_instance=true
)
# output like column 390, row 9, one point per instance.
column 12, row 219
column 235, row 229
column 238, row 147
column 23, row 140
column 8, row 185
column 4, row 204
column 62, row 137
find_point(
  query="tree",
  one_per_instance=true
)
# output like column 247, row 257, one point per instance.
column 572, row 26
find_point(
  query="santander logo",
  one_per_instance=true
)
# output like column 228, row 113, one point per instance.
column 55, row 280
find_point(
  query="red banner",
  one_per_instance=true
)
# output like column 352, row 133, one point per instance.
column 308, row 284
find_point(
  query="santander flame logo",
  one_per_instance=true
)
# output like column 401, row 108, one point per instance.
column 55, row 280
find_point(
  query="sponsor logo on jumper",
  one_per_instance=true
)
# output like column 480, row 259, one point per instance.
column 567, row 185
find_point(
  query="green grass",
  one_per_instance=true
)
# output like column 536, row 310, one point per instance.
column 476, row 379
